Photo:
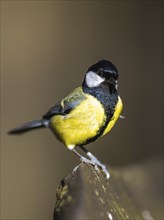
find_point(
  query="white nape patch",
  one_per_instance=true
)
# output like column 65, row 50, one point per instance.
column 93, row 80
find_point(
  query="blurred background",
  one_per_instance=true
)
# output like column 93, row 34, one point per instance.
column 46, row 47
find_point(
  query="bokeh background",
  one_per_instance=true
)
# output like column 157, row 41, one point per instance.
column 46, row 47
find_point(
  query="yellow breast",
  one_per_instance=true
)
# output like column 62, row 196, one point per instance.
column 80, row 124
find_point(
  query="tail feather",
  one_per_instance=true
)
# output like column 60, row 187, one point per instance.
column 29, row 126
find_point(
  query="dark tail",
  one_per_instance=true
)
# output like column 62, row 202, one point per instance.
column 29, row 126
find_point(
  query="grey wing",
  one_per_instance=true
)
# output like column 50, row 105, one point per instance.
column 66, row 105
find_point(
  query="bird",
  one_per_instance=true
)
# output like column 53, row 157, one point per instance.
column 88, row 113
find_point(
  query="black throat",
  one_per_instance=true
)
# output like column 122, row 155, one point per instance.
column 106, row 94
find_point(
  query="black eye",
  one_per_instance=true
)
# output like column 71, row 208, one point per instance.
column 100, row 73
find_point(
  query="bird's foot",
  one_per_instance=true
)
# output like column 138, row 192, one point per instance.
column 95, row 162
column 90, row 161
column 85, row 160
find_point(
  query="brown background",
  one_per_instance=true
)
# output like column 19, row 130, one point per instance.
column 46, row 48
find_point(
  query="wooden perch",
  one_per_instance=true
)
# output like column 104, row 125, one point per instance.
column 130, row 193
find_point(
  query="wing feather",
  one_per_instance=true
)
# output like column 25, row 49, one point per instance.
column 66, row 105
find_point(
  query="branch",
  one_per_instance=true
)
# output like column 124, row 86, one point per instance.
column 129, row 193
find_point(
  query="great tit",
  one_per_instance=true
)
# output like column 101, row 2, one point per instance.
column 86, row 114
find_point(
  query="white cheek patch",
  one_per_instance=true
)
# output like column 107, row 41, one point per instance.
column 93, row 80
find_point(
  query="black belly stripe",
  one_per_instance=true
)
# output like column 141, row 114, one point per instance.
column 108, row 98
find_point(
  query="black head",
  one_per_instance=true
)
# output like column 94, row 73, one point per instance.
column 106, row 67
column 102, row 72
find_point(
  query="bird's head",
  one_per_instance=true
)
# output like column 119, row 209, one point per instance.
column 103, row 72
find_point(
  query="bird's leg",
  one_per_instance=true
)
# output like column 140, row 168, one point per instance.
column 83, row 159
column 96, row 161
